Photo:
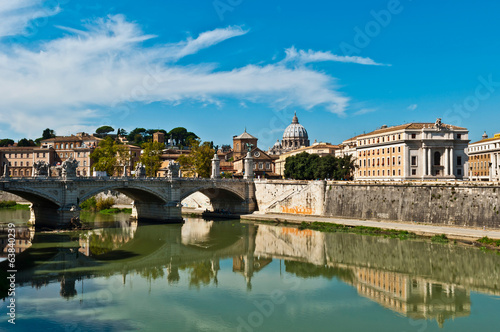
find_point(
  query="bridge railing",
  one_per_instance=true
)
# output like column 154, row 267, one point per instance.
column 117, row 178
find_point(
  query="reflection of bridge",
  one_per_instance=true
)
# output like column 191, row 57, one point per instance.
column 55, row 201
column 418, row 279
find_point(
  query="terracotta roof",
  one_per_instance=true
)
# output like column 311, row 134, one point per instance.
column 245, row 135
column 487, row 139
column 71, row 139
column 24, row 148
column 413, row 125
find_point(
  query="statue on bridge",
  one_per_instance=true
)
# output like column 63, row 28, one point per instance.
column 173, row 170
column 69, row 168
column 249, row 147
column 140, row 170
column 40, row 168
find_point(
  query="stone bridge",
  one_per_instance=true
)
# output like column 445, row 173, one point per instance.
column 56, row 200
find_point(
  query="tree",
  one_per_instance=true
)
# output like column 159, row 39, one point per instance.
column 150, row 157
column 121, row 132
column 199, row 161
column 104, row 130
column 304, row 166
column 136, row 135
column 26, row 142
column 182, row 137
column 48, row 133
column 6, row 142
column 110, row 156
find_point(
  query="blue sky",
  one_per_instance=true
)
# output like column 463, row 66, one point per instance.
column 216, row 67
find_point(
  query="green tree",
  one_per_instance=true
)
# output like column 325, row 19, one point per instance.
column 110, row 156
column 346, row 167
column 304, row 166
column 48, row 133
column 136, row 135
column 199, row 161
column 151, row 157
column 104, row 130
column 6, row 142
column 26, row 142
column 182, row 137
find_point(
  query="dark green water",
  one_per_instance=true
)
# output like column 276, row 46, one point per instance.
column 232, row 276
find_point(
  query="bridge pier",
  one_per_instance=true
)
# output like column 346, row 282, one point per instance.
column 52, row 217
column 154, row 211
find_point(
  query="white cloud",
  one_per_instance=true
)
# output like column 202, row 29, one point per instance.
column 303, row 57
column 106, row 63
column 15, row 15
column 364, row 111
column 412, row 107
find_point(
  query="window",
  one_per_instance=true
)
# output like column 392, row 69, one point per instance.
column 393, row 161
column 399, row 160
column 459, row 161
column 399, row 136
column 399, row 172
column 378, row 173
column 261, row 165
column 459, row 136
column 78, row 154
column 383, row 172
column 459, row 172
column 414, row 160
column 393, row 172
column 413, row 172
column 27, row 163
column 399, row 149
column 413, row 135
column 437, row 159
column 15, row 164
column 57, row 146
column 393, row 150
column 71, row 145
column 84, row 163
column 268, row 165
column 21, row 163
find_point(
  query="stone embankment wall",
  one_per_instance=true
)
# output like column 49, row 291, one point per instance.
column 460, row 204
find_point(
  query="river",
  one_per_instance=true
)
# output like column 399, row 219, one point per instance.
column 237, row 276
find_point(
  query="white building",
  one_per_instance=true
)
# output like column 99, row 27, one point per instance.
column 484, row 159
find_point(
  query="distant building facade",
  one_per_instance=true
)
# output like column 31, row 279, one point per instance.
column 484, row 159
column 412, row 151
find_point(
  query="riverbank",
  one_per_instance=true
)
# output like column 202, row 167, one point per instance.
column 458, row 233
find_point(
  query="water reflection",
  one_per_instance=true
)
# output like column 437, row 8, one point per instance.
column 23, row 240
column 415, row 279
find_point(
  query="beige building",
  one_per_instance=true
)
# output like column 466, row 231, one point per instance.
column 484, row 159
column 78, row 147
column 20, row 160
column 321, row 149
column 425, row 151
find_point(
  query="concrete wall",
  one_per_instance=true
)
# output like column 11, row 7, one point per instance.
column 451, row 204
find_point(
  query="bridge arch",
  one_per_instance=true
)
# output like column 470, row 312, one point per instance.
column 137, row 193
column 37, row 198
column 221, row 198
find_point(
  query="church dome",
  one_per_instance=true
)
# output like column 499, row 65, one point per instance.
column 295, row 130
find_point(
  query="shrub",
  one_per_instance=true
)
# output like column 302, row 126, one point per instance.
column 104, row 203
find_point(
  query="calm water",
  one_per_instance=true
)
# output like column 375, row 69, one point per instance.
column 232, row 276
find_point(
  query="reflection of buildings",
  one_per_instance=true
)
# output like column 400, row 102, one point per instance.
column 247, row 265
column 414, row 297
column 101, row 241
column 195, row 232
column 24, row 236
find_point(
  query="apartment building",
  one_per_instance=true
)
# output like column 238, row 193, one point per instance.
column 484, row 159
column 425, row 151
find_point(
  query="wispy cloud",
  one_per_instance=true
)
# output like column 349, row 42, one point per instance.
column 16, row 15
column 83, row 75
column 303, row 57
column 364, row 111
column 412, row 107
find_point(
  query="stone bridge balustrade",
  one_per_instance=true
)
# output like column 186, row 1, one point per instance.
column 55, row 201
